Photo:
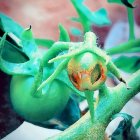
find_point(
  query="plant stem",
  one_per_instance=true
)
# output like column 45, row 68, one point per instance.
column 108, row 105
column 124, row 47
column 37, row 81
column 90, row 100
column 131, row 23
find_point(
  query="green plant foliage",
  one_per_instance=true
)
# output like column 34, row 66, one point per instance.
column 63, row 35
column 63, row 69
column 28, row 43
column 120, row 1
column 14, row 27
column 137, row 124
column 125, row 130
column 128, row 64
column 12, row 58
column 88, row 18
column 71, row 113
column 12, row 53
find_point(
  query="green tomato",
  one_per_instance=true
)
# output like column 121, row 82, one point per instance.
column 37, row 109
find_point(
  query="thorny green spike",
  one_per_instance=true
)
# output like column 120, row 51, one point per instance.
column 27, row 34
column 89, row 45
column 69, row 55
column 114, row 70
column 54, row 51
column 63, row 35
column 60, row 67
column 37, row 81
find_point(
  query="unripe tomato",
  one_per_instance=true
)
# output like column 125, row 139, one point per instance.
column 37, row 109
column 87, row 71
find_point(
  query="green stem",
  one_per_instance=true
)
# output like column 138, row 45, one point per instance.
column 131, row 23
column 86, row 26
column 57, row 71
column 37, row 81
column 54, row 51
column 108, row 105
column 90, row 100
column 124, row 47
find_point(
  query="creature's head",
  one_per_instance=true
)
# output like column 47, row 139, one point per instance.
column 87, row 71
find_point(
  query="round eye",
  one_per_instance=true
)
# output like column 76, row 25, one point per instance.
column 95, row 74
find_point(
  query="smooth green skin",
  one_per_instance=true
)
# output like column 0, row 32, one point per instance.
column 37, row 109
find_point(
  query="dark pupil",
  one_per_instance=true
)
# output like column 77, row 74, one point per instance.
column 95, row 74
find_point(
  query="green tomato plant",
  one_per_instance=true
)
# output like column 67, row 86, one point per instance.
column 42, row 83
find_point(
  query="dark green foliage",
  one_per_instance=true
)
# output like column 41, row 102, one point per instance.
column 128, row 64
column 137, row 124
column 125, row 129
column 14, row 27
column 88, row 17
column 126, row 3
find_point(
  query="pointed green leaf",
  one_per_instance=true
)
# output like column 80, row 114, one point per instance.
column 88, row 18
column 82, row 10
column 128, row 64
column 11, row 64
column 100, row 18
column 28, row 43
column 63, row 35
column 27, row 34
column 9, row 25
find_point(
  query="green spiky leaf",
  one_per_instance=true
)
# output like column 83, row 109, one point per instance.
column 28, row 43
column 12, row 53
column 88, row 18
column 14, row 61
column 9, row 25
column 63, row 35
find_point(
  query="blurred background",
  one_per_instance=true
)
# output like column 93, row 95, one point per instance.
column 44, row 16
